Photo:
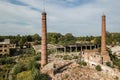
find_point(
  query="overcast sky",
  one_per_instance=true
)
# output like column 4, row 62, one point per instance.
column 79, row 17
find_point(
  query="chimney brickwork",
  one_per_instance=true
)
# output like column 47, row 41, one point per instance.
column 104, row 53
column 44, row 41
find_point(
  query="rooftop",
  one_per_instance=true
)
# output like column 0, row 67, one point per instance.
column 6, row 41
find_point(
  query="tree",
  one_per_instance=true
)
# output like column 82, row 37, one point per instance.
column 29, row 38
column 36, row 37
column 69, row 39
column 21, row 42
column 69, row 36
column 97, row 40
column 53, row 38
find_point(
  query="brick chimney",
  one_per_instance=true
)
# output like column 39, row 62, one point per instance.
column 44, row 41
column 103, row 40
column 104, row 53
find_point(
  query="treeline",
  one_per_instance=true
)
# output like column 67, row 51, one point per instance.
column 58, row 38
column 113, row 38
column 21, row 40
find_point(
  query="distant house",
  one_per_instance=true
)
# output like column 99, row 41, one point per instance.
column 5, row 47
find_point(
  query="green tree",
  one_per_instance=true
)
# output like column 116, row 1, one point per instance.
column 21, row 43
column 36, row 37
column 69, row 38
column 97, row 40
column 29, row 38
column 53, row 38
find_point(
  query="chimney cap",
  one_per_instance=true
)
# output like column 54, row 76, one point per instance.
column 44, row 12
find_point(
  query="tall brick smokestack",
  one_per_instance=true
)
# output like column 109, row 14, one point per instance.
column 44, row 41
column 104, row 53
column 103, row 40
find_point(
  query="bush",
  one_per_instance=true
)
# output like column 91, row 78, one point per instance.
column 98, row 68
column 37, row 57
column 58, row 56
column 18, row 68
column 29, row 51
column 49, row 52
column 9, row 60
column 66, row 76
column 45, row 77
column 33, row 64
column 24, row 75
column 36, row 75
column 75, row 57
column 116, row 78
column 108, row 64
column 82, row 63
column 2, row 61
column 6, row 60
column 67, row 57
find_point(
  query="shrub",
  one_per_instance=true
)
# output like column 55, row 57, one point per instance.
column 98, row 68
column 49, row 52
column 6, row 60
column 36, row 75
column 9, row 60
column 82, row 63
column 67, row 57
column 75, row 57
column 35, row 72
column 37, row 57
column 24, row 75
column 18, row 68
column 66, row 76
column 108, row 64
column 29, row 51
column 58, row 56
column 33, row 64
column 45, row 77
column 116, row 78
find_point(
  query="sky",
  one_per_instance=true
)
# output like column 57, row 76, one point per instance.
column 79, row 17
